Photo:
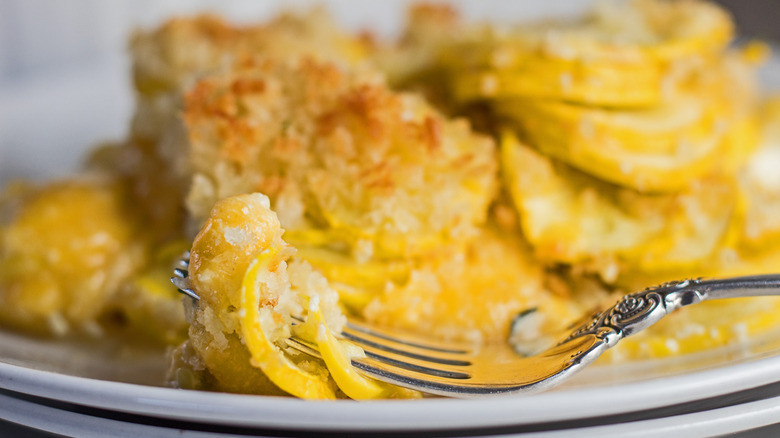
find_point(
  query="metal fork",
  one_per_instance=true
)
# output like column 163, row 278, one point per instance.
column 457, row 370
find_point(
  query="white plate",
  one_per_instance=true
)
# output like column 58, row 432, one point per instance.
column 604, row 394
column 715, row 422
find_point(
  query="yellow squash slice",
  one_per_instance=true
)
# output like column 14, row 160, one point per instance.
column 660, row 149
column 663, row 148
column 536, row 77
column 625, row 54
column 260, row 324
column 337, row 354
column 571, row 217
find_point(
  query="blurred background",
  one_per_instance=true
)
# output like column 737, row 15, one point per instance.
column 40, row 35
column 64, row 70
column 64, row 73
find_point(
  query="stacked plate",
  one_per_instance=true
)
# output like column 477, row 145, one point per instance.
column 111, row 394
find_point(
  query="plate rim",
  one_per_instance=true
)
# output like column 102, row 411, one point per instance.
column 427, row 414
column 710, row 422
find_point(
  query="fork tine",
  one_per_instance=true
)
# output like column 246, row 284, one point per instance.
column 384, row 346
column 414, row 378
column 183, row 286
column 181, row 272
column 402, row 340
column 488, row 378
column 181, row 277
column 415, row 365
column 416, row 375
column 387, row 350
column 394, row 360
column 303, row 347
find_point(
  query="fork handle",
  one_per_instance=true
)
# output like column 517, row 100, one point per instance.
column 639, row 310
column 737, row 287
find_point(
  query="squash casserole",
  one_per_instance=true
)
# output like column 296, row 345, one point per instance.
column 446, row 183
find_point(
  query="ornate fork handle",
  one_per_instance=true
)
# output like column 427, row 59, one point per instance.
column 639, row 310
